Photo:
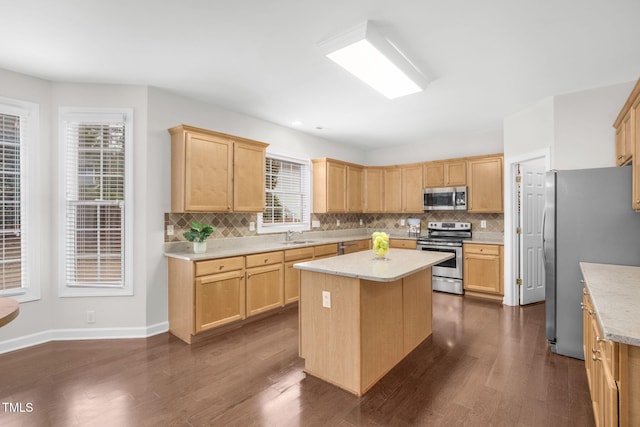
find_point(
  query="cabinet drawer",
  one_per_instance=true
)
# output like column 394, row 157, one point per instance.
column 299, row 253
column 219, row 265
column 475, row 248
column 266, row 258
column 324, row 250
column 403, row 243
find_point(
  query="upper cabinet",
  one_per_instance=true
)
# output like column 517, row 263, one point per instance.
column 330, row 190
column 373, row 189
column 412, row 200
column 450, row 173
column 215, row 172
column 355, row 184
column 392, row 178
column 485, row 184
column 627, row 126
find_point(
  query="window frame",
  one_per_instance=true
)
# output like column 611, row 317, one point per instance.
column 30, row 202
column 97, row 115
column 303, row 226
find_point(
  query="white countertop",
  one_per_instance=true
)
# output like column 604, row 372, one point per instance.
column 615, row 293
column 399, row 263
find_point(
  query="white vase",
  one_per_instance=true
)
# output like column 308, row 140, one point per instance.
column 199, row 247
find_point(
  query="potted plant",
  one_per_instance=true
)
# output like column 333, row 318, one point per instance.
column 198, row 235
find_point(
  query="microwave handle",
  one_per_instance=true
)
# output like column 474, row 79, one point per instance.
column 453, row 199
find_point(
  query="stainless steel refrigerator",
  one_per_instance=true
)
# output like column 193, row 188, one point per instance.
column 587, row 217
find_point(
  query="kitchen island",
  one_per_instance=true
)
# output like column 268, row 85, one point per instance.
column 360, row 316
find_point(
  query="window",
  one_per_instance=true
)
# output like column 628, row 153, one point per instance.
column 287, row 195
column 97, row 206
column 19, row 208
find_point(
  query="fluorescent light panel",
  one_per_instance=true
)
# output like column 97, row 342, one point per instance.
column 367, row 55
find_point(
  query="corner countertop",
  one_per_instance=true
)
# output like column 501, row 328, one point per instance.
column 399, row 263
column 487, row 238
column 615, row 293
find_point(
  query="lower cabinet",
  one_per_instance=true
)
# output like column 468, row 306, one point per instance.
column 403, row 243
column 220, row 299
column 292, row 275
column 483, row 270
column 356, row 246
column 265, row 282
column 613, row 373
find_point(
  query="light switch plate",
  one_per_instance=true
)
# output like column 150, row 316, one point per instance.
column 338, row 222
column 402, row 222
column 169, row 230
column 252, row 226
column 483, row 224
column 315, row 224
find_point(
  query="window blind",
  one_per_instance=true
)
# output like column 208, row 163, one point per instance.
column 95, row 202
column 287, row 193
column 13, row 232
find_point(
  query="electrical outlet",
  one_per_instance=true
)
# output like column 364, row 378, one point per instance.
column 169, row 230
column 326, row 299
column 361, row 221
column 483, row 224
column 402, row 222
column 315, row 224
column 252, row 226
column 91, row 316
column 338, row 222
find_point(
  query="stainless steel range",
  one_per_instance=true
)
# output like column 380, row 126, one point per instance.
column 446, row 237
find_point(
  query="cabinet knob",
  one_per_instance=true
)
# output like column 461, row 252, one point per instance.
column 581, row 306
column 221, row 267
column 266, row 260
column 595, row 358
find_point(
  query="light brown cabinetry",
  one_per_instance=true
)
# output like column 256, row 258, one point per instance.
column 329, row 186
column 249, row 176
column 204, row 295
column 452, row 173
column 392, row 178
column 412, row 200
column 355, row 175
column 627, row 126
column 325, row 251
column 373, row 189
column 403, row 243
column 292, row 275
column 215, row 172
column 483, row 270
column 265, row 282
column 613, row 373
column 485, row 184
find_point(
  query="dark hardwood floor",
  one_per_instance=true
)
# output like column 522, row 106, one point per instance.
column 485, row 365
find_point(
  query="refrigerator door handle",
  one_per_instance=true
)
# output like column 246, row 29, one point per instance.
column 544, row 246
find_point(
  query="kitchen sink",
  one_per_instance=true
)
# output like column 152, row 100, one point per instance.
column 298, row 242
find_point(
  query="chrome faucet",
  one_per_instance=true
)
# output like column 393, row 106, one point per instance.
column 290, row 234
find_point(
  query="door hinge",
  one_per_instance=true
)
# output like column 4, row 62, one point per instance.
column 518, row 230
column 519, row 178
column 519, row 281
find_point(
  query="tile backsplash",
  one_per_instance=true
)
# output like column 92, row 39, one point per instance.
column 237, row 224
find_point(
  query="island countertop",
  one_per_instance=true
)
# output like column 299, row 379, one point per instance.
column 399, row 263
column 615, row 294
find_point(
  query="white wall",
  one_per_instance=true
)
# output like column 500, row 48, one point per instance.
column 529, row 130
column 583, row 127
column 488, row 142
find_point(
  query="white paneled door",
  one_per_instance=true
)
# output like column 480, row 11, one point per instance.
column 531, row 210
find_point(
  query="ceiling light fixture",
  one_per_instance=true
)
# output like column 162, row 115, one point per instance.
column 369, row 56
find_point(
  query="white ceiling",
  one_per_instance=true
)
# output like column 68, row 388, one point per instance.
column 486, row 59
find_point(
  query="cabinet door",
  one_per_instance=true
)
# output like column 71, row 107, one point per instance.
column 403, row 243
column 485, row 185
column 249, row 177
column 412, row 200
column 482, row 268
column 392, row 190
column 220, row 299
column 433, row 174
column 354, row 189
column 208, row 172
column 336, row 187
column 292, row 281
column 455, row 173
column 265, row 288
column 373, row 190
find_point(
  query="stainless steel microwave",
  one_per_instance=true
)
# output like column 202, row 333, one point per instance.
column 445, row 199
